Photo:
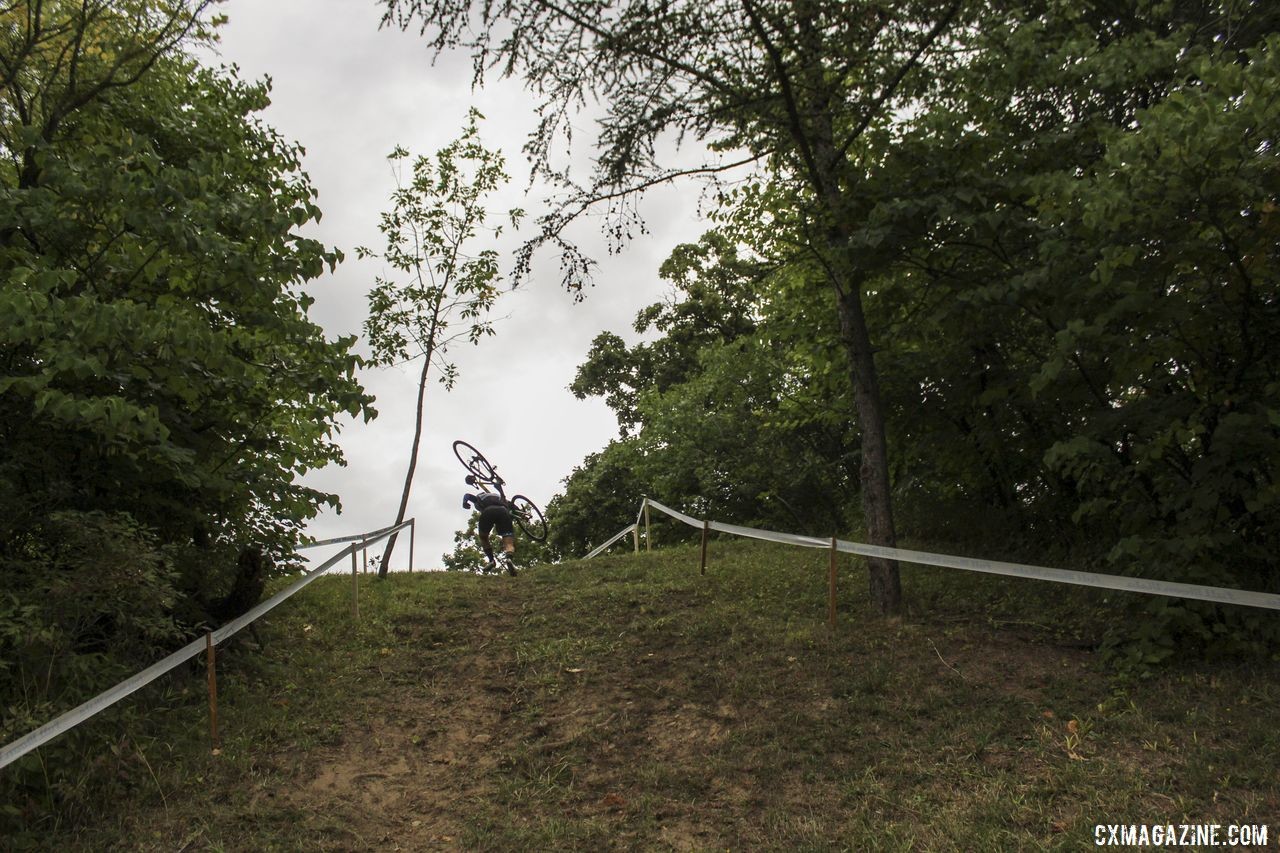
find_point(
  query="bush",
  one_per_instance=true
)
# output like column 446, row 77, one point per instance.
column 89, row 600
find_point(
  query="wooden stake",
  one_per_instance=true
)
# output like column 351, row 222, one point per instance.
column 412, row 527
column 646, row 526
column 706, row 531
column 364, row 556
column 635, row 536
column 211, row 665
column 355, row 589
column 831, row 588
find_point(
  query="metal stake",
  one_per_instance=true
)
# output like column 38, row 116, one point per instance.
column 706, row 530
column 211, row 666
column 831, row 588
column 412, row 527
column 647, row 546
column 355, row 589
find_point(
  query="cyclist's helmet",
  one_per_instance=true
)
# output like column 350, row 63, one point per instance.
column 470, row 479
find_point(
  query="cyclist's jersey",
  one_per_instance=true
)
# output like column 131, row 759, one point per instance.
column 484, row 501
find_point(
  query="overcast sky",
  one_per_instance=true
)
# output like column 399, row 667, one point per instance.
column 350, row 92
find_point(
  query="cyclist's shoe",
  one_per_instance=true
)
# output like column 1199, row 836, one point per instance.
column 510, row 566
column 491, row 566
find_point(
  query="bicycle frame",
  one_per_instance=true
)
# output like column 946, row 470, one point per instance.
column 483, row 476
column 483, row 486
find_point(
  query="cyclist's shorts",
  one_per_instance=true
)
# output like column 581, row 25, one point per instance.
column 495, row 517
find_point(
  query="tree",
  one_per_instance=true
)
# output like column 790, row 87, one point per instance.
column 599, row 497
column 155, row 342
column 730, row 407
column 796, row 84
column 446, row 293
column 1086, row 293
column 58, row 58
column 1167, row 346
column 714, row 300
column 466, row 555
column 1047, row 230
column 162, row 388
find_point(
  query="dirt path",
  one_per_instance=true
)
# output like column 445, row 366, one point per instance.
column 415, row 758
column 465, row 721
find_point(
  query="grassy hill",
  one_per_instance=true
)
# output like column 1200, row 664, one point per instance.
column 630, row 703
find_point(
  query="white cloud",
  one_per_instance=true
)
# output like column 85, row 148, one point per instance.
column 349, row 92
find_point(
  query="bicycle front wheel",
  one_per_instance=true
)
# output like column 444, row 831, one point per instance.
column 529, row 517
column 475, row 463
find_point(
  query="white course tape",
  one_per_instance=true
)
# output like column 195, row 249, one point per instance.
column 1173, row 589
column 338, row 540
column 623, row 532
column 39, row 737
column 771, row 536
column 244, row 619
column 679, row 516
column 20, row 747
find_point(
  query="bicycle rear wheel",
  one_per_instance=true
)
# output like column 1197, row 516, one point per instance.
column 529, row 517
column 473, row 460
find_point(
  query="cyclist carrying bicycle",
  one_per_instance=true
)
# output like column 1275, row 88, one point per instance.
column 495, row 512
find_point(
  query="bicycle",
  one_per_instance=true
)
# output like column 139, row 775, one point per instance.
column 483, row 475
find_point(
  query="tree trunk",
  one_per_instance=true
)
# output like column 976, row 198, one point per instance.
column 246, row 590
column 413, row 466
column 828, row 167
column 873, row 472
column 877, row 503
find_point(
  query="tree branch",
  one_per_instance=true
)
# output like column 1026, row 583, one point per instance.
column 901, row 75
column 788, row 97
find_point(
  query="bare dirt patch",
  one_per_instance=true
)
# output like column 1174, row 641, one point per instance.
column 412, row 761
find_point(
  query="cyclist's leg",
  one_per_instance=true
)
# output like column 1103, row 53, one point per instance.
column 507, row 530
column 483, row 527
